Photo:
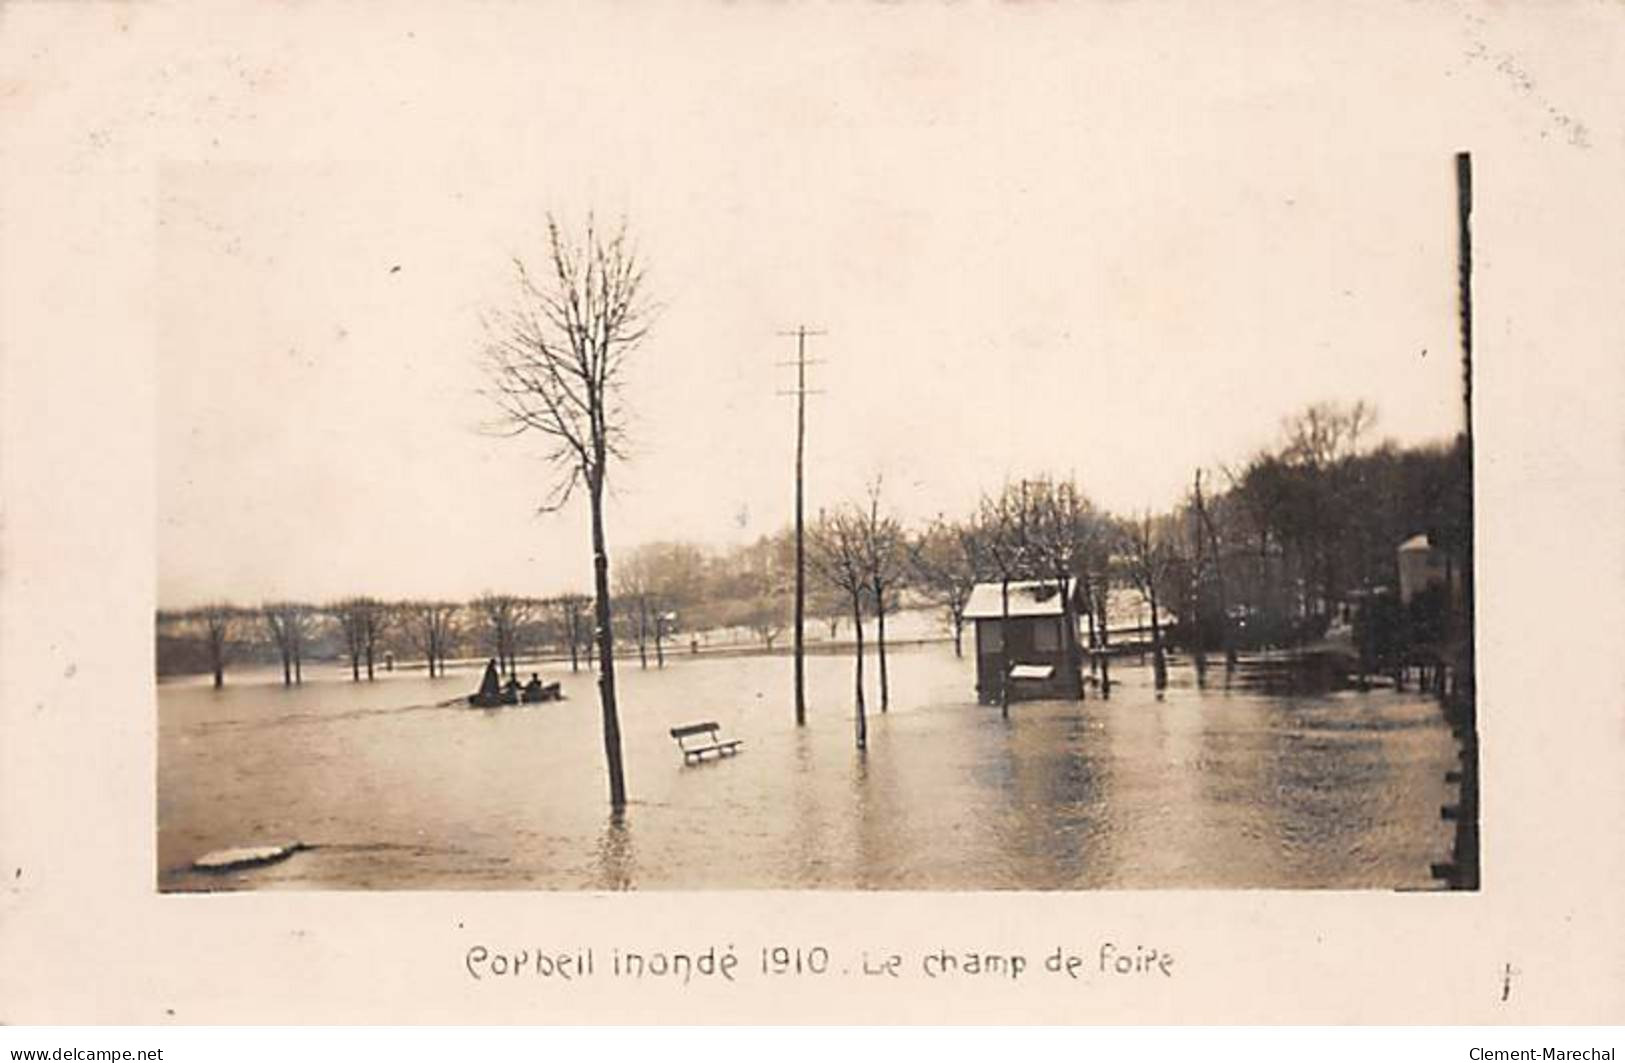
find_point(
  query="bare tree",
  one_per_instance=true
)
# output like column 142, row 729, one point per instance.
column 572, row 610
column 1327, row 433
column 829, row 605
column 450, row 621
column 1095, row 575
column 632, row 584
column 943, row 559
column 502, row 616
column 1061, row 529
column 675, row 583
column 1151, row 560
column 1208, row 533
column 218, row 624
column 352, row 629
column 1001, row 536
column 379, row 619
column 1320, row 446
column 839, row 556
column 289, row 624
column 432, row 624
column 363, row 620
column 556, row 362
column 884, row 561
column 766, row 617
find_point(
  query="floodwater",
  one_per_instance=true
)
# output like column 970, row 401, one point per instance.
column 1197, row 788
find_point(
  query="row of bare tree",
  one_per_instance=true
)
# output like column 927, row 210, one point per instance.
column 365, row 630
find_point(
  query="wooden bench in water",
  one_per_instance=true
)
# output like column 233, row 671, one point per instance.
column 711, row 743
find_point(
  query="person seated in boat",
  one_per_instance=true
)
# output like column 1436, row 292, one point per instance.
column 511, row 687
column 491, row 685
column 533, row 689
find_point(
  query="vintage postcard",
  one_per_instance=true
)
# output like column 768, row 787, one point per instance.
column 1085, row 512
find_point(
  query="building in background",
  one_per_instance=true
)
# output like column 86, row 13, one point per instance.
column 1031, row 640
column 1422, row 565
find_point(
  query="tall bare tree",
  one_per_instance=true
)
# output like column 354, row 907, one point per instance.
column 556, row 360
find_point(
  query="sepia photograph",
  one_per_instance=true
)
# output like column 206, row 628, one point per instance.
column 805, row 519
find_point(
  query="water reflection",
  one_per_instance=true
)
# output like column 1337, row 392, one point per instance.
column 810, row 831
column 613, row 860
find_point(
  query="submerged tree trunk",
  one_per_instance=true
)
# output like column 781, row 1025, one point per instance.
column 437, row 654
column 1198, row 634
column 1089, row 619
column 643, row 633
column 1069, row 640
column 880, row 644
column 606, row 647
column 1004, row 647
column 959, row 631
column 1159, row 661
column 1227, row 632
column 857, row 626
column 1105, row 643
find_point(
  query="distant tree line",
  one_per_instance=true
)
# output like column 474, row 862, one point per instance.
column 1265, row 553
column 662, row 591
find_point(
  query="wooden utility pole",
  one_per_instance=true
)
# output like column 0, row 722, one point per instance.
column 1464, row 625
column 1465, row 696
column 801, row 334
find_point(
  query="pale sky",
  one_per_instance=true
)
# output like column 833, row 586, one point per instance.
column 1078, row 245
